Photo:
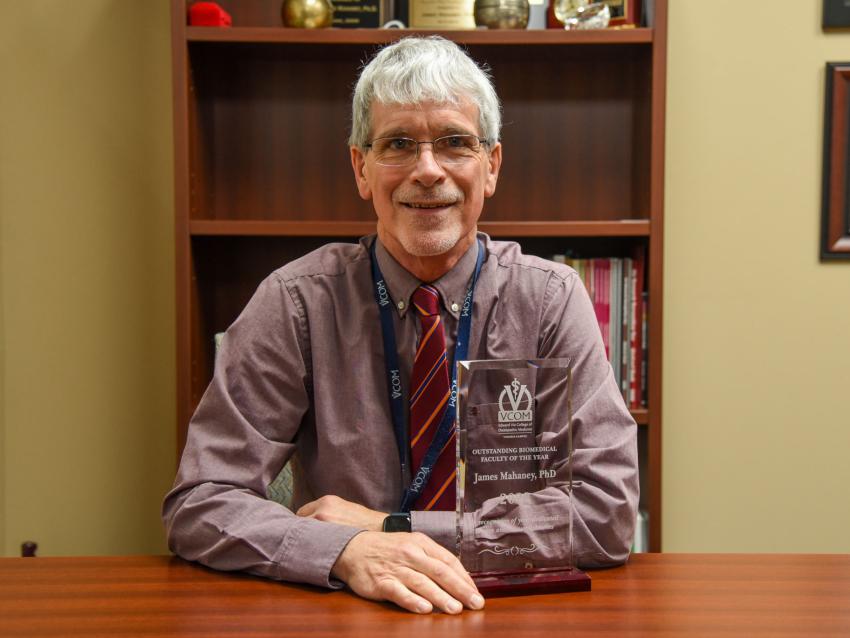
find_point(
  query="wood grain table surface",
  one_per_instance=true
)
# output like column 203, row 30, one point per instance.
column 654, row 595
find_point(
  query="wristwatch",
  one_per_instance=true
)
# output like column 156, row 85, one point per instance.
column 397, row 522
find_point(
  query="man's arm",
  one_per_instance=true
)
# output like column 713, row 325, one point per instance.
column 240, row 437
column 238, row 440
column 604, row 461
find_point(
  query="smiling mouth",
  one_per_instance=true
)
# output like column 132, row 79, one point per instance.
column 428, row 205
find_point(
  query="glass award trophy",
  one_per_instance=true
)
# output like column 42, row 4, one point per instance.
column 514, row 477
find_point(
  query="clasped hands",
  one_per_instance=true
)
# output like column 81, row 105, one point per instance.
column 410, row 570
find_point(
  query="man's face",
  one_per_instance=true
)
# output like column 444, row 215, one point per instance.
column 429, row 208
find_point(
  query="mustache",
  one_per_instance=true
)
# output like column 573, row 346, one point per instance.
column 429, row 196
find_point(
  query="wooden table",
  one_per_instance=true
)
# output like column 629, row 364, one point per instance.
column 654, row 595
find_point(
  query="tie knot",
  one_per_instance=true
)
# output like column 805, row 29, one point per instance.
column 427, row 300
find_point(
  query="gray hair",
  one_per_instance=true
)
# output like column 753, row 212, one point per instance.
column 417, row 69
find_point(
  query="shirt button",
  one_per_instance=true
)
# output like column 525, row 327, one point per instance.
column 401, row 305
column 455, row 307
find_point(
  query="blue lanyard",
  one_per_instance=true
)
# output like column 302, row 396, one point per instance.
column 398, row 404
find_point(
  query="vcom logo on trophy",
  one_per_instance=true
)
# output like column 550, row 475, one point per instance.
column 510, row 419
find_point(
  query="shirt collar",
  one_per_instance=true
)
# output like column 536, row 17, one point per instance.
column 451, row 286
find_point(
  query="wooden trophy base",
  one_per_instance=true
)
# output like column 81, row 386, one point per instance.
column 524, row 582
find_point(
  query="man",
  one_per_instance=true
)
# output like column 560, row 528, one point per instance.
column 326, row 362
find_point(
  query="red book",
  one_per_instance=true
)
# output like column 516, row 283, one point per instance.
column 626, row 324
column 601, row 300
column 635, row 395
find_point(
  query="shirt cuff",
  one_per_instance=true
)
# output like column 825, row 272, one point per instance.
column 439, row 526
column 309, row 551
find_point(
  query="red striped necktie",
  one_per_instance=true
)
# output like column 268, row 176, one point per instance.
column 429, row 382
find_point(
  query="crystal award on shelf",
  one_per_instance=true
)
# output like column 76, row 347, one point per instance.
column 514, row 476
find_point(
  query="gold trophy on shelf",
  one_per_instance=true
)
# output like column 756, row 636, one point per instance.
column 308, row 14
column 501, row 14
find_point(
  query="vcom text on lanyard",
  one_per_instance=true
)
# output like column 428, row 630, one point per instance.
column 398, row 402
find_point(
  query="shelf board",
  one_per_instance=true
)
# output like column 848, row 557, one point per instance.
column 618, row 228
column 283, row 35
column 343, row 228
column 279, row 228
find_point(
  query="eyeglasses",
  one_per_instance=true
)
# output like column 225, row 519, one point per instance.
column 401, row 151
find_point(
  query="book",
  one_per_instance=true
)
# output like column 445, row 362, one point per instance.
column 640, row 543
column 637, row 334
column 625, row 328
column 615, row 287
column 643, row 352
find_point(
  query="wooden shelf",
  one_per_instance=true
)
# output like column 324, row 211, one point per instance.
column 640, row 415
column 279, row 228
column 284, row 35
column 619, row 228
column 284, row 228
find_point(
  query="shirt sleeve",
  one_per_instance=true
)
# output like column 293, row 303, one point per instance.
column 604, row 461
column 238, row 440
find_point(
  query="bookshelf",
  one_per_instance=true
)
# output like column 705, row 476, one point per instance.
column 262, row 172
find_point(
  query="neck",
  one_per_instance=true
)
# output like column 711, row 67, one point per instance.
column 430, row 267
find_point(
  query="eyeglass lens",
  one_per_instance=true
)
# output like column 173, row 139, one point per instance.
column 397, row 151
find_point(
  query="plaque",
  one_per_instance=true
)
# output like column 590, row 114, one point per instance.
column 441, row 14
column 358, row 14
column 514, row 511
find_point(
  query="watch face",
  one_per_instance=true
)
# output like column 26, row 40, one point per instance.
column 397, row 523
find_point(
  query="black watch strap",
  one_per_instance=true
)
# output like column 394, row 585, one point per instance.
column 397, row 522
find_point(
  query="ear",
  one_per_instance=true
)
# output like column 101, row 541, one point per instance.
column 358, row 163
column 495, row 163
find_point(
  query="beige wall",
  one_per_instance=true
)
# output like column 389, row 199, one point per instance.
column 756, row 338
column 3, row 515
column 757, row 345
column 87, row 284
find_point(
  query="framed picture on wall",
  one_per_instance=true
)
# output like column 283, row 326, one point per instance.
column 836, row 14
column 835, row 206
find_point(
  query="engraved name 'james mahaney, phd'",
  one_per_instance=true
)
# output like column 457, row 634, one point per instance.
column 513, row 476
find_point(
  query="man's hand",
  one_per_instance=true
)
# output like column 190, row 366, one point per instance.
column 333, row 509
column 410, row 570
